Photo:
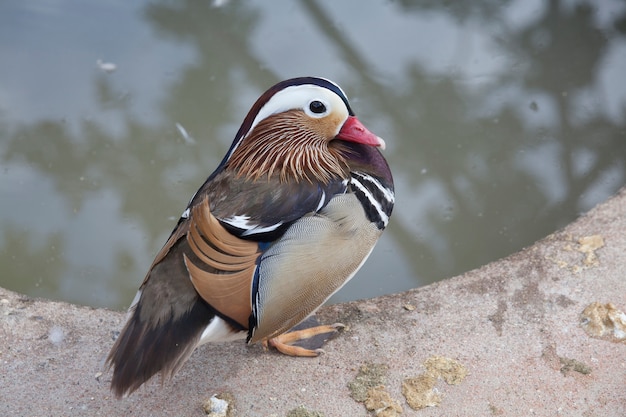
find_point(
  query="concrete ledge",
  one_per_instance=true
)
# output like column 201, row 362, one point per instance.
column 515, row 326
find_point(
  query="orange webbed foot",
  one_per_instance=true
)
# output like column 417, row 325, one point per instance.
column 284, row 343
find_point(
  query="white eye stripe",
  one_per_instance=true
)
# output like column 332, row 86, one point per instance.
column 297, row 97
column 300, row 97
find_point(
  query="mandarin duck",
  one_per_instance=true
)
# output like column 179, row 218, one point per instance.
column 288, row 217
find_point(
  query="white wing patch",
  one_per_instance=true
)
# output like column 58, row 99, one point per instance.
column 242, row 222
column 265, row 229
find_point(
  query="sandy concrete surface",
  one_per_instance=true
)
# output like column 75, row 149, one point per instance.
column 508, row 339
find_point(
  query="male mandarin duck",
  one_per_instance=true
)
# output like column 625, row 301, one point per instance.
column 288, row 217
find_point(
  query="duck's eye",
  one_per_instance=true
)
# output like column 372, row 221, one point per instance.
column 317, row 107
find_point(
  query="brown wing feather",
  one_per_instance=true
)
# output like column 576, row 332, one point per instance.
column 223, row 267
column 180, row 231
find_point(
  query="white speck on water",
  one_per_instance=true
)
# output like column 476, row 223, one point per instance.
column 107, row 67
column 183, row 132
column 56, row 335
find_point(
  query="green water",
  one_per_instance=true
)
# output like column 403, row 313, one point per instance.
column 504, row 121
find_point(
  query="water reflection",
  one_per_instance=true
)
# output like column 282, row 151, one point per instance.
column 504, row 121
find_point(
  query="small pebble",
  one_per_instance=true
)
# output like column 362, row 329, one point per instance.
column 216, row 407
